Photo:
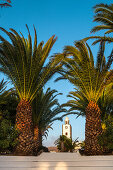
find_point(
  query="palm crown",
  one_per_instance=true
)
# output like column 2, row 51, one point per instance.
column 80, row 70
column 24, row 64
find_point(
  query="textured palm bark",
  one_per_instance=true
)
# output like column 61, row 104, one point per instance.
column 92, row 129
column 25, row 126
column 40, row 138
column 62, row 146
column 36, row 139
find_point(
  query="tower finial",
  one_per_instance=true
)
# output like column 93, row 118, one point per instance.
column 66, row 120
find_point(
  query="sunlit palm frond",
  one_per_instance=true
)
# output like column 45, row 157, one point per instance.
column 103, row 16
column 25, row 64
column 99, row 39
column 88, row 77
column 83, row 74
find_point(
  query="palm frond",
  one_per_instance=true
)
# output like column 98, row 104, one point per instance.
column 89, row 78
column 3, row 92
column 46, row 109
column 103, row 15
column 24, row 63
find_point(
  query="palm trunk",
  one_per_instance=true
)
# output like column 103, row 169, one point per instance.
column 62, row 146
column 25, row 126
column 40, row 138
column 92, row 129
column 36, row 139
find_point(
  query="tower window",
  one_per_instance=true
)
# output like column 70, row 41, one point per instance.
column 66, row 122
column 66, row 133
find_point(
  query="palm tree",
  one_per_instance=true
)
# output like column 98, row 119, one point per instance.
column 25, row 66
column 60, row 142
column 90, row 81
column 65, row 144
column 45, row 110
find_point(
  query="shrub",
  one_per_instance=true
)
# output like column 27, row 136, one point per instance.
column 106, row 139
column 8, row 136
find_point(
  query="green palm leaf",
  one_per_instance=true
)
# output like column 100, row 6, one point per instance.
column 3, row 92
column 46, row 109
column 24, row 64
column 104, row 15
column 89, row 79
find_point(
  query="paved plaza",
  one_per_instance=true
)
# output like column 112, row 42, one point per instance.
column 56, row 161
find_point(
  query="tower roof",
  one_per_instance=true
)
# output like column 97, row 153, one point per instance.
column 66, row 119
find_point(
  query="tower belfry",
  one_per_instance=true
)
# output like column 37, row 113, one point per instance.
column 67, row 129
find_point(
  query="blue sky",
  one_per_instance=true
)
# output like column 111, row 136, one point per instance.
column 69, row 20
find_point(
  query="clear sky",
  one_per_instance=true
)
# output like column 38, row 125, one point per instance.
column 69, row 20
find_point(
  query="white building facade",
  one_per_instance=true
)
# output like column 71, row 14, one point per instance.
column 67, row 129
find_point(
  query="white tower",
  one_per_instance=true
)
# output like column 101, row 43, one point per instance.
column 67, row 129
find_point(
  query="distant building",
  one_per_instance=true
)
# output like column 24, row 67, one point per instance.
column 67, row 129
column 53, row 149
